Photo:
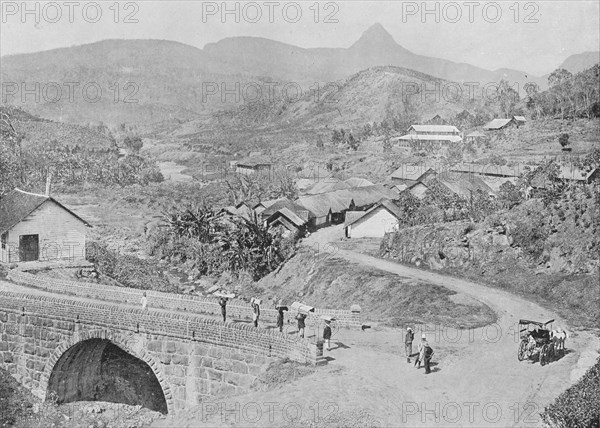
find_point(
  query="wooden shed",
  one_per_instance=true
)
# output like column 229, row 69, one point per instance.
column 37, row 227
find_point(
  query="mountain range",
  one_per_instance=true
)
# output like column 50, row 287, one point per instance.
column 171, row 79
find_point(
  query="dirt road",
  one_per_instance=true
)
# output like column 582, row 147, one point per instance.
column 477, row 379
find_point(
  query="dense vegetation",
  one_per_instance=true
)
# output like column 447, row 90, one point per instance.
column 569, row 95
column 15, row 401
column 578, row 406
column 127, row 270
column 212, row 243
column 27, row 166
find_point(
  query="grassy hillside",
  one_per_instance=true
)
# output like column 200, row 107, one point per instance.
column 335, row 283
column 38, row 132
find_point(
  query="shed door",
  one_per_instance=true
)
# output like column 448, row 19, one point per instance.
column 29, row 247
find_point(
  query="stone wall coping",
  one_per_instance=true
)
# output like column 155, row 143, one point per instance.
column 21, row 300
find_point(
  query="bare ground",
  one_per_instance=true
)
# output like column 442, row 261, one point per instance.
column 476, row 381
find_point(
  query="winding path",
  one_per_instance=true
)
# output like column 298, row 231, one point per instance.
column 477, row 381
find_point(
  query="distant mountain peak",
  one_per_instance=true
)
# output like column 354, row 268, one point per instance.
column 375, row 35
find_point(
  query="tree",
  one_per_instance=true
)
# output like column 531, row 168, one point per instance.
column 133, row 143
column 509, row 195
column 507, row 98
column 352, row 142
column 564, row 140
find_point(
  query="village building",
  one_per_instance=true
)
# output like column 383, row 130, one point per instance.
column 475, row 136
column 330, row 208
column 435, row 136
column 409, row 174
column 241, row 209
column 374, row 223
column 36, row 227
column 254, row 165
column 460, row 184
column 418, row 190
column 499, row 124
column 436, row 120
column 520, row 120
column 279, row 204
column 289, row 221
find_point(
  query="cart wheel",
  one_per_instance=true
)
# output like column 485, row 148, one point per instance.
column 544, row 355
column 521, row 350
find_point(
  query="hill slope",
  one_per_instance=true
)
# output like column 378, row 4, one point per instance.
column 581, row 62
column 162, row 80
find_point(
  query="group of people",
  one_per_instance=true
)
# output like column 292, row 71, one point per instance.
column 300, row 318
column 424, row 351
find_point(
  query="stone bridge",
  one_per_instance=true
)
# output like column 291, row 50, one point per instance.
column 77, row 348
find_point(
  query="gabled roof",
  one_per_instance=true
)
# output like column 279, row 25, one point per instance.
column 464, row 185
column 289, row 215
column 321, row 204
column 18, row 204
column 497, row 123
column 489, row 169
column 340, row 200
column 268, row 203
column 567, row 172
column 431, row 137
column 434, row 128
column 412, row 171
column 520, row 118
column 324, row 186
column 358, row 182
column 384, row 203
column 289, row 205
column 352, row 216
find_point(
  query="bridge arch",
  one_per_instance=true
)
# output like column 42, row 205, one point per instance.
column 128, row 344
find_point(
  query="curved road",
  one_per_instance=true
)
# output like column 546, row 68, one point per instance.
column 477, row 380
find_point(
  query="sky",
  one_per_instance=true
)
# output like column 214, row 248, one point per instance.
column 531, row 36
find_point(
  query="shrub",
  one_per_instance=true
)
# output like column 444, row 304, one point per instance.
column 578, row 406
column 128, row 270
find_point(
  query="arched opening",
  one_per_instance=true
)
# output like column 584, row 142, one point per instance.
column 98, row 370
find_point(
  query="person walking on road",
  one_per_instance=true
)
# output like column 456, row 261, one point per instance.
column 280, row 318
column 255, row 313
column 223, row 303
column 408, row 341
column 144, row 302
column 327, row 334
column 427, row 354
column 421, row 348
column 301, row 324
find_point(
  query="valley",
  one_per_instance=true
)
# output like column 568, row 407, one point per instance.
column 380, row 187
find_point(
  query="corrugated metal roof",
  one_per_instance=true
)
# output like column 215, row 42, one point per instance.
column 288, row 204
column 358, row 182
column 18, row 204
column 431, row 137
column 412, row 171
column 320, row 205
column 288, row 214
column 434, row 128
column 464, row 185
column 352, row 216
column 340, row 200
column 325, row 186
column 497, row 123
column 489, row 169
